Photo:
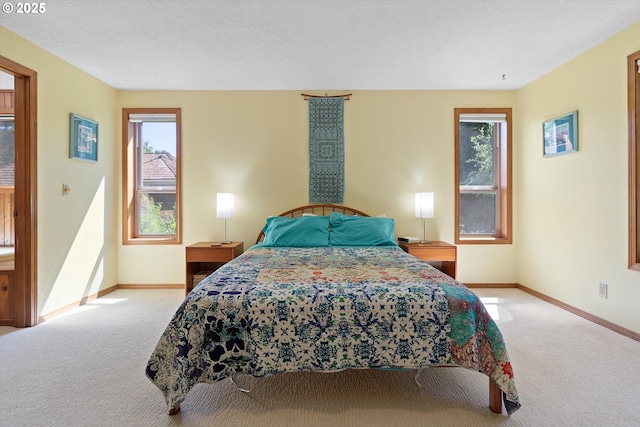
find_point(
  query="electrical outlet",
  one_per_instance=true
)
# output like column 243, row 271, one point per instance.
column 602, row 290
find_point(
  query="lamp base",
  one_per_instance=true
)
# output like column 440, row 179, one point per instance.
column 225, row 241
column 425, row 241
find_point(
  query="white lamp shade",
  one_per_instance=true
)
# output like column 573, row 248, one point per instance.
column 224, row 207
column 424, row 205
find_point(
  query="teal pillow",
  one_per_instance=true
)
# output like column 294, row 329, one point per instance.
column 361, row 231
column 304, row 232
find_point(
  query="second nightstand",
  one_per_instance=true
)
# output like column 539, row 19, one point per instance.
column 441, row 255
column 203, row 256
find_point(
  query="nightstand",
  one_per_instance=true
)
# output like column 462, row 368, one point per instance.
column 203, row 256
column 441, row 255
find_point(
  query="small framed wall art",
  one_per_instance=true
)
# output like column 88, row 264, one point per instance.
column 560, row 135
column 83, row 138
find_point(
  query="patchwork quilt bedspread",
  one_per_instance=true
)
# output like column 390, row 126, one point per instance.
column 326, row 309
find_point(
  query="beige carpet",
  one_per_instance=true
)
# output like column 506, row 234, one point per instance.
column 86, row 368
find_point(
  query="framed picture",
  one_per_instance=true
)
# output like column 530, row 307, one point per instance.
column 560, row 135
column 83, row 138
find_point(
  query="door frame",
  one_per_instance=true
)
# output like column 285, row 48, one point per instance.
column 633, row 84
column 24, row 292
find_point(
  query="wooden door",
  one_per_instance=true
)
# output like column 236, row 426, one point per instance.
column 6, row 315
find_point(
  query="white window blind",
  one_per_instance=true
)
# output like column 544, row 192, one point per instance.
column 483, row 117
column 158, row 117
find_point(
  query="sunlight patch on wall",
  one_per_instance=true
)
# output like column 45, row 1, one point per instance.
column 82, row 272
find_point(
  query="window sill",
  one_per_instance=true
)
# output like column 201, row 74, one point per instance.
column 488, row 240
column 153, row 241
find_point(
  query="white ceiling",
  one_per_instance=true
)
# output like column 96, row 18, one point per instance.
column 320, row 44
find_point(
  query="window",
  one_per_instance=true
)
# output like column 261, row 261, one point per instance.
column 634, row 160
column 151, row 175
column 483, row 175
column 7, row 175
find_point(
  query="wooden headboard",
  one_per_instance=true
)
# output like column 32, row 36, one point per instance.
column 319, row 209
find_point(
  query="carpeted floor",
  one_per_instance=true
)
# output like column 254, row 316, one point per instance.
column 86, row 368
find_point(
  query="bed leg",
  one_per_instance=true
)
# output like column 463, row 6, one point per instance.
column 174, row 410
column 495, row 397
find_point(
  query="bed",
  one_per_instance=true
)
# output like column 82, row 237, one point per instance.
column 326, row 288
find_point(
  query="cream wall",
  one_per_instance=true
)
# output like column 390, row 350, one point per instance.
column 255, row 144
column 572, row 226
column 77, row 244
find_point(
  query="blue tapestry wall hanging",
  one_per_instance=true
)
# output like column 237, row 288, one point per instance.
column 326, row 150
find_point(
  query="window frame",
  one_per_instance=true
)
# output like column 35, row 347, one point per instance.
column 502, row 178
column 130, row 190
column 634, row 159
